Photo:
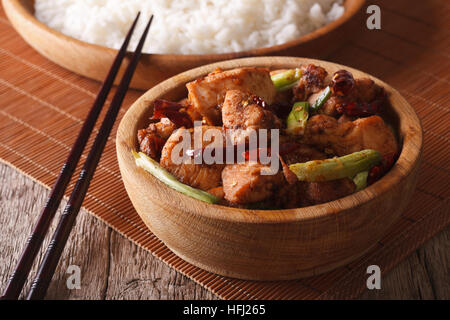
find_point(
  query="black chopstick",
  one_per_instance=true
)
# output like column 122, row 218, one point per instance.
column 55, row 248
column 23, row 267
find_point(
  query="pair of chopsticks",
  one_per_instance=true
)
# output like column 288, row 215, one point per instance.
column 55, row 248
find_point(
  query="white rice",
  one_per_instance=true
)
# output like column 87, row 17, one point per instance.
column 187, row 26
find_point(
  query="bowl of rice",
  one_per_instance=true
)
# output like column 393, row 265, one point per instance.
column 83, row 35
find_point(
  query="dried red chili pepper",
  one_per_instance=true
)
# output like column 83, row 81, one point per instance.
column 164, row 105
column 342, row 83
column 172, row 111
column 380, row 170
column 374, row 174
column 363, row 109
column 388, row 161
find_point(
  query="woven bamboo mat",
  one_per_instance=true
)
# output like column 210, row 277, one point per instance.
column 42, row 107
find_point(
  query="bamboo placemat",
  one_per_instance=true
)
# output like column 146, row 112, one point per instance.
column 42, row 107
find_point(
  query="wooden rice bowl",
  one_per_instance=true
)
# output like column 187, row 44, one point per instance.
column 94, row 61
column 278, row 244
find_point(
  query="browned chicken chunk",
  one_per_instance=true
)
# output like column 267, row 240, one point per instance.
column 303, row 194
column 351, row 136
column 312, row 81
column 330, row 106
column 152, row 139
column 365, row 90
column 207, row 94
column 163, row 128
column 303, row 153
column 321, row 192
column 241, row 114
column 289, row 196
column 202, row 176
column 244, row 183
column 218, row 192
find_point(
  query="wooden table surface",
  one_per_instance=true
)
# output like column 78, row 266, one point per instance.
column 114, row 268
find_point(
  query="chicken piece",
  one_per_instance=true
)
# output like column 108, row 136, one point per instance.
column 321, row 192
column 150, row 143
column 152, row 139
column 290, row 196
column 365, row 90
column 303, row 153
column 351, row 136
column 330, row 106
column 344, row 118
column 241, row 115
column 312, row 81
column 164, row 128
column 218, row 192
column 207, row 94
column 174, row 157
column 303, row 194
column 244, row 183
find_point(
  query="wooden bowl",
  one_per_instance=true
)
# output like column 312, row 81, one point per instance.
column 278, row 244
column 94, row 61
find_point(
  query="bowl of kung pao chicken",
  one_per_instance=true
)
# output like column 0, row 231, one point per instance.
column 270, row 168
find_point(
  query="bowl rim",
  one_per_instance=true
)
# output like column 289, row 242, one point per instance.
column 350, row 12
column 410, row 156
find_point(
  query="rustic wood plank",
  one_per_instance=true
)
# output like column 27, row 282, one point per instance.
column 114, row 268
column 111, row 266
